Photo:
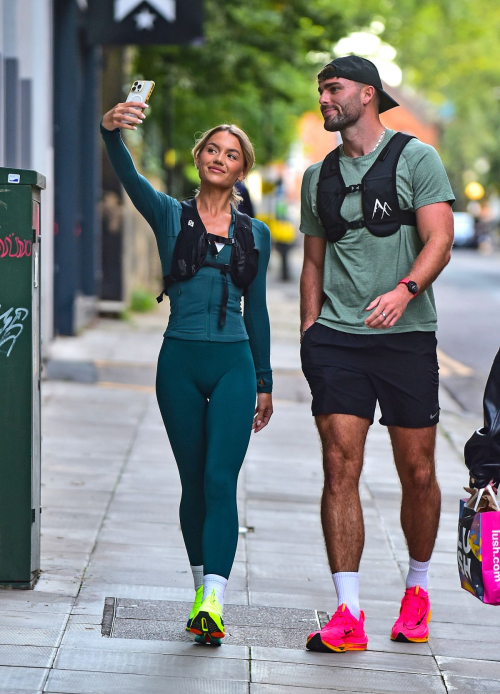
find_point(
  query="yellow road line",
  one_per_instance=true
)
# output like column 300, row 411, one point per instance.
column 451, row 367
column 126, row 386
column 103, row 363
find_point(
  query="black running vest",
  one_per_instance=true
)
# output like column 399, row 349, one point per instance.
column 382, row 215
column 191, row 249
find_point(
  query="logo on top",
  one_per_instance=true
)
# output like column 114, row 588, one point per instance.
column 384, row 208
column 145, row 19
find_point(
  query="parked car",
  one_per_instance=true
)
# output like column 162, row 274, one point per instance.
column 465, row 231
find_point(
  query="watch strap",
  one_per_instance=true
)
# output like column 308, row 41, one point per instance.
column 407, row 281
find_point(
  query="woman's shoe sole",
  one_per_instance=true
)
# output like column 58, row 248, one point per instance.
column 203, row 623
column 207, row 640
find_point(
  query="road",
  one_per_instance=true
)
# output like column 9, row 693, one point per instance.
column 468, row 303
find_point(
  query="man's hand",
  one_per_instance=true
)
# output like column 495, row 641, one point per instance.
column 305, row 326
column 311, row 281
column 388, row 308
column 263, row 411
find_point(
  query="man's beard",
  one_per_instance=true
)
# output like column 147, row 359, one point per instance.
column 350, row 115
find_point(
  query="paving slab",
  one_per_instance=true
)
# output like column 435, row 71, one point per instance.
column 26, row 656
column 342, row 677
column 278, row 689
column 369, row 660
column 471, row 668
column 27, row 678
column 76, row 641
column 152, row 664
column 469, row 650
column 462, row 685
column 29, row 637
column 78, row 682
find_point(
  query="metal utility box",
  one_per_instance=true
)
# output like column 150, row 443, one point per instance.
column 20, row 435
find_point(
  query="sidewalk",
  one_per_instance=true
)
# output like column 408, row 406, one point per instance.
column 110, row 531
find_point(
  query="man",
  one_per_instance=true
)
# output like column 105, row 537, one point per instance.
column 378, row 228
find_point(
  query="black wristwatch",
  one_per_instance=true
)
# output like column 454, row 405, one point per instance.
column 411, row 286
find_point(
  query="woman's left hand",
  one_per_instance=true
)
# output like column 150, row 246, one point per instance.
column 263, row 411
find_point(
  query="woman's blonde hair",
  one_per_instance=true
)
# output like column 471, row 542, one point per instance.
column 246, row 148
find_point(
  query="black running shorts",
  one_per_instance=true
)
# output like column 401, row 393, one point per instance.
column 348, row 373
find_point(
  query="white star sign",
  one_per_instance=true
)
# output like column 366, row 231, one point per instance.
column 165, row 8
column 145, row 19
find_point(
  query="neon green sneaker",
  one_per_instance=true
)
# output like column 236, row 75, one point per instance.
column 208, row 619
column 196, row 606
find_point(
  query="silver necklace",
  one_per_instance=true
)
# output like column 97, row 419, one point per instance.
column 379, row 141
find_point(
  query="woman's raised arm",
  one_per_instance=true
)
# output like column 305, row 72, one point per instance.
column 145, row 198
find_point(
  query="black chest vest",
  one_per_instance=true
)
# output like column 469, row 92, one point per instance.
column 191, row 253
column 382, row 215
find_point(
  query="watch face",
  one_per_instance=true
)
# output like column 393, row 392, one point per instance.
column 412, row 287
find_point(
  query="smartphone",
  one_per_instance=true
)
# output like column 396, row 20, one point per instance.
column 141, row 90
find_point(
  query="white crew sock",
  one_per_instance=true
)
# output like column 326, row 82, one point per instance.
column 197, row 576
column 418, row 574
column 214, row 582
column 347, row 587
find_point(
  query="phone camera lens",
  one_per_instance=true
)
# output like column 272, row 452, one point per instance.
column 136, row 83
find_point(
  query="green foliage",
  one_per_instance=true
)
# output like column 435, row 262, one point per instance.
column 142, row 301
column 449, row 51
column 251, row 70
column 256, row 68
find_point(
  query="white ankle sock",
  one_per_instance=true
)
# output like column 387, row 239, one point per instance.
column 347, row 587
column 418, row 574
column 213, row 582
column 197, row 576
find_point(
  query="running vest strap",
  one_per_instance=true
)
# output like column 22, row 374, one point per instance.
column 382, row 215
column 191, row 249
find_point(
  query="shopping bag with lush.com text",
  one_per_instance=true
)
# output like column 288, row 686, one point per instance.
column 478, row 548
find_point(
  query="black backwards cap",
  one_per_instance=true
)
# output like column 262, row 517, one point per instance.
column 352, row 67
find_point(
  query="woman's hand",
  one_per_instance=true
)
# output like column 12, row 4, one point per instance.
column 124, row 115
column 263, row 411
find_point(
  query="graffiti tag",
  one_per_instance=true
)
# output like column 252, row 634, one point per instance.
column 13, row 247
column 11, row 327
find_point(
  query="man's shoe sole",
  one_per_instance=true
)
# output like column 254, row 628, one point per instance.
column 203, row 623
column 316, row 644
column 401, row 638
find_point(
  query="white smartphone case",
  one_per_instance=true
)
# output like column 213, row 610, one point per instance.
column 141, row 91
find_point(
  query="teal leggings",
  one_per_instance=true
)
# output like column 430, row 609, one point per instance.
column 206, row 393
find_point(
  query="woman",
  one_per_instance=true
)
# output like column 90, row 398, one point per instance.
column 213, row 360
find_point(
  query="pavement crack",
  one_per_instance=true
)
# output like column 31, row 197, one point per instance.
column 249, row 669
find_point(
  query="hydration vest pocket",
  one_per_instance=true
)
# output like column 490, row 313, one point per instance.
column 381, row 206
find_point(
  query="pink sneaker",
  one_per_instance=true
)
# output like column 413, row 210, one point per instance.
column 342, row 633
column 414, row 616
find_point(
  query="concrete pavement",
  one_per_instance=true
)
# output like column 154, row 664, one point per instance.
column 110, row 530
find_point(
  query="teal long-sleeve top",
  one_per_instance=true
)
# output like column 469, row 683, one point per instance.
column 195, row 304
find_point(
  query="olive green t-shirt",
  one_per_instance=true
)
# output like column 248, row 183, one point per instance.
column 361, row 266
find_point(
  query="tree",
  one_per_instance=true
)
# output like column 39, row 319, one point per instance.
column 449, row 52
column 252, row 69
column 259, row 59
